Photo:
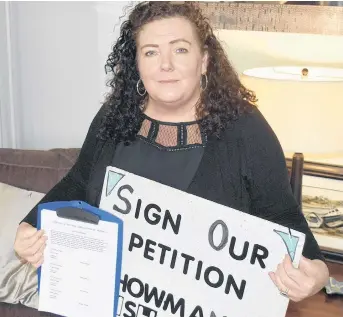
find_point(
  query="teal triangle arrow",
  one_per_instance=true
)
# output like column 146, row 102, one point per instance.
column 113, row 179
column 290, row 241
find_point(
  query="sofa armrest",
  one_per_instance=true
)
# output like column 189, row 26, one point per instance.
column 36, row 170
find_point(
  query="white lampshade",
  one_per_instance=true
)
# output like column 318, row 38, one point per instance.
column 303, row 105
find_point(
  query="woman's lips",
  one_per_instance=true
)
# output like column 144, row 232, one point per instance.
column 170, row 81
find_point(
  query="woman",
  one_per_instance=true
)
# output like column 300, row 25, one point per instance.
column 178, row 114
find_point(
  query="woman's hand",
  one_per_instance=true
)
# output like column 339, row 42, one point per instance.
column 30, row 244
column 300, row 283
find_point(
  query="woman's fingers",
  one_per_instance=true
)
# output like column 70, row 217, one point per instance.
column 291, row 277
column 25, row 234
column 38, row 263
column 295, row 274
column 25, row 241
column 289, row 280
column 37, row 256
column 283, row 289
column 277, row 281
column 33, row 249
column 29, row 241
column 288, row 285
column 29, row 244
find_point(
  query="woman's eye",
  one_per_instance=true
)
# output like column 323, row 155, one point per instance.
column 150, row 53
column 182, row 50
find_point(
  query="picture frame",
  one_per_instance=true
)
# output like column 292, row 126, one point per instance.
column 274, row 16
column 322, row 205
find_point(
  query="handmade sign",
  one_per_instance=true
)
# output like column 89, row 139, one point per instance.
column 185, row 256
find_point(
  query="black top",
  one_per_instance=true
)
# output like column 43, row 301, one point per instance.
column 244, row 169
column 165, row 154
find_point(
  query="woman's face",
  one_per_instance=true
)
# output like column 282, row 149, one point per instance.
column 170, row 61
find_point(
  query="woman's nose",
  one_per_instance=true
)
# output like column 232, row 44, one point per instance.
column 166, row 62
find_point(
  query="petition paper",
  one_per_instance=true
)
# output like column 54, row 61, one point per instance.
column 78, row 274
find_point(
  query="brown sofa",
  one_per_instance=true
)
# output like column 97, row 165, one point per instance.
column 40, row 170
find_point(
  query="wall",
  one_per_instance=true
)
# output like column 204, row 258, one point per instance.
column 7, row 132
column 61, row 48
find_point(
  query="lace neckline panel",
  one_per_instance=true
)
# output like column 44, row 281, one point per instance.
column 172, row 136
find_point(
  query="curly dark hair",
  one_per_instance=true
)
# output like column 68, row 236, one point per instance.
column 224, row 98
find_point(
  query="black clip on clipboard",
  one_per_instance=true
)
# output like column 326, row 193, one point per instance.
column 78, row 214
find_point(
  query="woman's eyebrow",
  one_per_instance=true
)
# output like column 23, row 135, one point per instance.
column 171, row 42
column 180, row 40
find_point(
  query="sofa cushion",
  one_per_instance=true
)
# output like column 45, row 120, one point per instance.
column 18, row 281
column 15, row 203
column 36, row 170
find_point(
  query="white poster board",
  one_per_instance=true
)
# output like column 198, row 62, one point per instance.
column 174, row 266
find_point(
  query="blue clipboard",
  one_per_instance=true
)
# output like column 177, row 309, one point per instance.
column 81, row 211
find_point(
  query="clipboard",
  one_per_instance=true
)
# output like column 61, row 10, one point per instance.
column 83, row 212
